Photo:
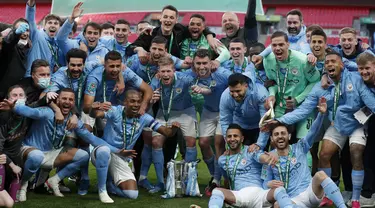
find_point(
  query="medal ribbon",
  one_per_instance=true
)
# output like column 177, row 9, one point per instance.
column 78, row 95
column 134, row 125
column 336, row 100
column 54, row 134
column 286, row 174
column 232, row 177
column 166, row 114
column 281, row 92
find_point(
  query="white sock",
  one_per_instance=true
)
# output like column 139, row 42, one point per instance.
column 56, row 178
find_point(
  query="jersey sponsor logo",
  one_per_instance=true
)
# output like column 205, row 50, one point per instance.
column 294, row 160
column 349, row 87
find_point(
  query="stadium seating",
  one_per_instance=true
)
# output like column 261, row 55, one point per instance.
column 327, row 17
column 132, row 17
column 10, row 12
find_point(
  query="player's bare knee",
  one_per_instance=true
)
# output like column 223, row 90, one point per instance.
column 320, row 176
column 157, row 143
column 325, row 155
column 204, row 143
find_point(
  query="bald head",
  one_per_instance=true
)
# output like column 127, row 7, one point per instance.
column 230, row 23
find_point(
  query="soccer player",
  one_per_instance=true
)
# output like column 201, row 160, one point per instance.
column 120, row 40
column 238, row 62
column 318, row 45
column 231, row 26
column 209, row 125
column 123, row 128
column 366, row 68
column 175, row 105
column 91, row 34
column 292, row 170
column 242, row 103
column 101, row 83
column 44, row 41
column 294, row 78
column 197, row 41
column 243, row 169
column 44, row 146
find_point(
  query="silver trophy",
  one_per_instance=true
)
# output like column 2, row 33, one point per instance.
column 179, row 174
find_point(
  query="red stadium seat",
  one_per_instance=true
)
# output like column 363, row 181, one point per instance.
column 327, row 17
column 10, row 12
column 132, row 17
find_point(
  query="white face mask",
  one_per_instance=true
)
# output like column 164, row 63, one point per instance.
column 21, row 101
column 44, row 82
column 22, row 42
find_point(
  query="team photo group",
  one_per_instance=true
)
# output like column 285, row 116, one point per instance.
column 285, row 125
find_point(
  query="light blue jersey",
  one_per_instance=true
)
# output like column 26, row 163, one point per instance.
column 247, row 113
column 114, row 131
column 95, row 86
column 46, row 135
column 231, row 66
column 217, row 82
column 112, row 45
column 61, row 80
column 94, row 57
column 181, row 97
column 248, row 170
column 299, row 171
column 43, row 47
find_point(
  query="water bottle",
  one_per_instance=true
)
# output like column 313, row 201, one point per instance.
column 2, row 177
column 14, row 189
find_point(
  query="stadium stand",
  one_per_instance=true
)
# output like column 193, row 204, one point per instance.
column 10, row 12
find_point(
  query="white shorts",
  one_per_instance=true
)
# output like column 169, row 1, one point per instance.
column 86, row 119
column 251, row 197
column 118, row 168
column 209, row 124
column 357, row 137
column 307, row 198
column 49, row 156
column 187, row 119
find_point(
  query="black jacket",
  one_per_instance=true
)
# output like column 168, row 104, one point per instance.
column 180, row 33
column 13, row 62
column 248, row 33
